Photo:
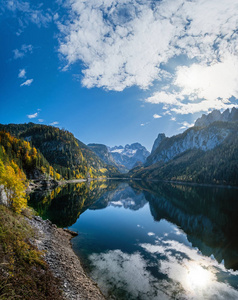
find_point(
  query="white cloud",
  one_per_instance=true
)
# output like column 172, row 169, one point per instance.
column 144, row 124
column 156, row 116
column 202, row 106
column 40, row 120
column 26, row 13
column 33, row 115
column 186, row 125
column 54, row 123
column 123, row 43
column 163, row 97
column 22, row 73
column 28, row 82
column 210, row 82
column 20, row 53
column 200, row 88
column 118, row 51
column 55, row 16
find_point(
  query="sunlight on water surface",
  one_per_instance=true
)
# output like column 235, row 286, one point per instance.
column 152, row 242
column 197, row 278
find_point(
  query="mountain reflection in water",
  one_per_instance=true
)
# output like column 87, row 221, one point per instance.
column 151, row 240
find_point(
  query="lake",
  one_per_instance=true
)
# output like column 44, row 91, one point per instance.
column 155, row 240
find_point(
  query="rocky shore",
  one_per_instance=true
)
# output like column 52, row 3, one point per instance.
column 63, row 262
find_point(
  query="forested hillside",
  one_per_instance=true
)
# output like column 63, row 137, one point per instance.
column 19, row 161
column 68, row 157
column 27, row 158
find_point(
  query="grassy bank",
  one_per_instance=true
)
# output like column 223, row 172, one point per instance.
column 23, row 271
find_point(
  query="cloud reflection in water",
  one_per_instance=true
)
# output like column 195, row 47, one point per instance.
column 184, row 273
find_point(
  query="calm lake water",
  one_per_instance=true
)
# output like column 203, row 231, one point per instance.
column 151, row 241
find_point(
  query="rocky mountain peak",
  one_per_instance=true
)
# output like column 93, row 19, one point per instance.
column 160, row 138
column 115, row 148
column 124, row 158
column 216, row 115
column 130, row 155
column 234, row 114
column 134, row 146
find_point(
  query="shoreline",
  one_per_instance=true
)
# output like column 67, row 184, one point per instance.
column 63, row 262
column 35, row 184
column 196, row 184
column 178, row 182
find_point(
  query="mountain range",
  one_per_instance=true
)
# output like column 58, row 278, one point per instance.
column 124, row 158
column 216, row 115
column 204, row 153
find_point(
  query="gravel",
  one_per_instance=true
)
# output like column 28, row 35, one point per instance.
column 63, row 262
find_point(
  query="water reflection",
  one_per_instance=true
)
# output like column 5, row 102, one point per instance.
column 64, row 204
column 207, row 215
column 187, row 274
column 122, row 196
column 151, row 241
column 197, row 275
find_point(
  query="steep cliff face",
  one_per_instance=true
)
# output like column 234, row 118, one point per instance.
column 202, row 154
column 102, row 152
column 204, row 139
column 209, row 131
column 157, row 142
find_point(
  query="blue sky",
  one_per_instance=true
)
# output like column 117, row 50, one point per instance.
column 117, row 72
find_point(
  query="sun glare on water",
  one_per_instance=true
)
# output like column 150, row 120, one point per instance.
column 198, row 278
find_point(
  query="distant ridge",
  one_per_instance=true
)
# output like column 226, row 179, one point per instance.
column 123, row 158
column 216, row 115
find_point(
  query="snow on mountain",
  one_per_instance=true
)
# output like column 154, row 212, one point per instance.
column 130, row 155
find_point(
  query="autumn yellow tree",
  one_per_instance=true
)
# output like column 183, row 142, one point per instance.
column 13, row 181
